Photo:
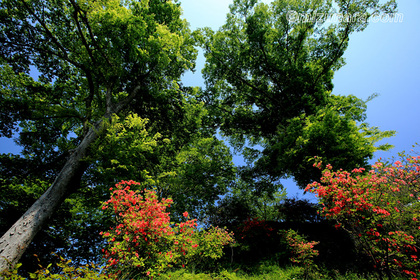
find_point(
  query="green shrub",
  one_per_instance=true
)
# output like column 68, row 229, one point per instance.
column 86, row 272
column 182, row 274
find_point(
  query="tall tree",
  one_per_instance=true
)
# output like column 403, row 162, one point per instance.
column 269, row 74
column 95, row 59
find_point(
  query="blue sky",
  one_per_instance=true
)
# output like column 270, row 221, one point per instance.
column 383, row 59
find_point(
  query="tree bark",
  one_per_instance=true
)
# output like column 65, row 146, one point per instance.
column 15, row 241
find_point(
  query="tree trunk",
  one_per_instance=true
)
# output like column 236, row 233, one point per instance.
column 15, row 241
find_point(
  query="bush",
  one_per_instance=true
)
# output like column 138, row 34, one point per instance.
column 145, row 242
column 380, row 209
column 301, row 251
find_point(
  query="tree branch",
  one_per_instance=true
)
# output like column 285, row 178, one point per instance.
column 49, row 35
column 336, row 56
column 92, row 37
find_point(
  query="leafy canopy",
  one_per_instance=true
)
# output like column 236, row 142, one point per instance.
column 269, row 82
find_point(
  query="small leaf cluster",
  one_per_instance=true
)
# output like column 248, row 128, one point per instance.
column 67, row 271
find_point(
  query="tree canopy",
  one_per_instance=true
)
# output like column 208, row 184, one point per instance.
column 269, row 81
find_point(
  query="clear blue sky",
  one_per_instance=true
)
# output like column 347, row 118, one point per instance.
column 383, row 59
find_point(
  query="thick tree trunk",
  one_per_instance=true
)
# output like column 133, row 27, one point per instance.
column 15, row 241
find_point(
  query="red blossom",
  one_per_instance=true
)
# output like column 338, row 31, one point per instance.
column 144, row 232
column 370, row 205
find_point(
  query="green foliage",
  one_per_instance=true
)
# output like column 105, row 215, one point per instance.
column 263, row 271
column 331, row 134
column 135, row 146
column 67, row 271
column 12, row 274
column 231, row 211
column 269, row 81
column 183, row 274
column 247, row 200
column 187, row 163
column 292, row 210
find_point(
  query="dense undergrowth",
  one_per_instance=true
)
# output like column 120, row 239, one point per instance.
column 264, row 270
column 366, row 229
column 260, row 253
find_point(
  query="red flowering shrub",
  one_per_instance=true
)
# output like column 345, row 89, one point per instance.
column 144, row 241
column 381, row 210
column 302, row 252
